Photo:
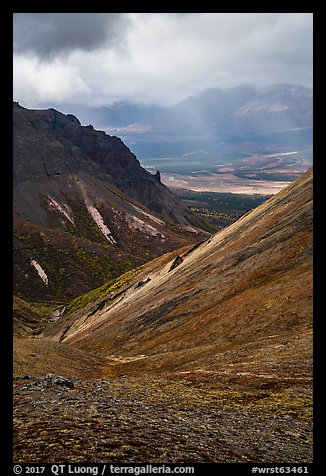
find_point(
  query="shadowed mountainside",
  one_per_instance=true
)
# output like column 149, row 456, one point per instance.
column 85, row 211
column 49, row 145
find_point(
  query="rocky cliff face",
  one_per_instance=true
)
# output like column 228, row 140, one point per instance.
column 85, row 211
column 48, row 144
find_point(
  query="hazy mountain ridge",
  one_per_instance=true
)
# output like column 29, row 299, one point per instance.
column 219, row 128
column 245, row 108
column 215, row 107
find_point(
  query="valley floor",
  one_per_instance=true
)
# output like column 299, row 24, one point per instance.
column 173, row 418
column 226, row 182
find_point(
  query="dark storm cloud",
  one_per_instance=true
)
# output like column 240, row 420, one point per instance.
column 155, row 58
column 51, row 34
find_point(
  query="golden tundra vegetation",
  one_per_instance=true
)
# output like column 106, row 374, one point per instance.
column 202, row 355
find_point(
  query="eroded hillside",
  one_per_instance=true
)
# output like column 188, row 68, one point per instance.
column 85, row 211
column 247, row 287
column 202, row 355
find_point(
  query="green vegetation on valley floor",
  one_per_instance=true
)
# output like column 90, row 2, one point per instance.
column 220, row 209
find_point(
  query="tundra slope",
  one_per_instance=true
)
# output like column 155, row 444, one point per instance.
column 201, row 356
column 244, row 295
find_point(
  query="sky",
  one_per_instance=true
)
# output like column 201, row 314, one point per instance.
column 96, row 59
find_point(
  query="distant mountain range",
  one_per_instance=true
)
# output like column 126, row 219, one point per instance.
column 85, row 211
column 245, row 108
column 213, row 127
column 248, row 108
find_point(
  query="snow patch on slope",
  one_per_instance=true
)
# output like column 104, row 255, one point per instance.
column 135, row 222
column 263, row 106
column 95, row 214
column 152, row 217
column 64, row 210
column 40, row 271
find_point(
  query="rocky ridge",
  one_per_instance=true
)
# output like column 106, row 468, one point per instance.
column 85, row 211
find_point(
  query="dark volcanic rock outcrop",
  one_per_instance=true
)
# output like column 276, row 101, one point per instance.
column 85, row 211
column 48, row 144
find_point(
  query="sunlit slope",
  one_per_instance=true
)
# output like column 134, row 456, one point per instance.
column 243, row 297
